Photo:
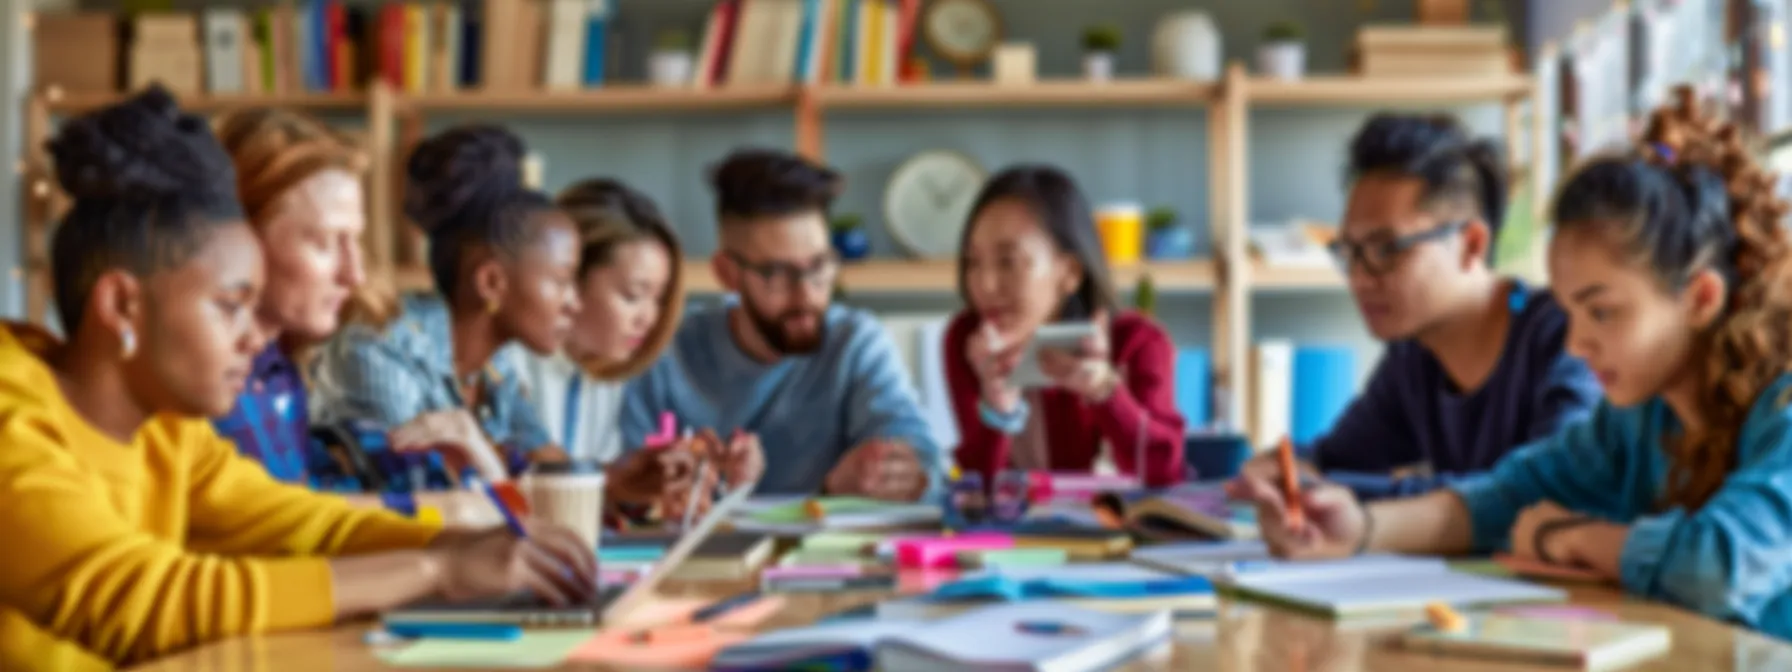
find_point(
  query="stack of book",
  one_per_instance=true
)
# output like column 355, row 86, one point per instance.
column 1432, row 51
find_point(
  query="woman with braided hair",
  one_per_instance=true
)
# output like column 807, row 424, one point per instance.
column 1677, row 276
column 133, row 530
column 503, row 258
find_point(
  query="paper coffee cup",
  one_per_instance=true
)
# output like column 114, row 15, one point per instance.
column 570, row 495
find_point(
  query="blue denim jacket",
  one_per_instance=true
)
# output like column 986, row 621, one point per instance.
column 392, row 375
column 1731, row 559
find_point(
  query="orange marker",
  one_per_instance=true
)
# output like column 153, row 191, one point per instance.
column 1297, row 518
column 1444, row 618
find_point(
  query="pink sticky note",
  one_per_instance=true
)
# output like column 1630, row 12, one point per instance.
column 669, row 610
column 942, row 552
column 689, row 649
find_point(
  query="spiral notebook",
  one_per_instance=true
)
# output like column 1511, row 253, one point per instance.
column 1377, row 585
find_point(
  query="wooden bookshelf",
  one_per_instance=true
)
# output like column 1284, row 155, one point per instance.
column 1382, row 91
column 618, row 98
column 1045, row 93
column 1294, row 278
column 58, row 102
column 918, row 276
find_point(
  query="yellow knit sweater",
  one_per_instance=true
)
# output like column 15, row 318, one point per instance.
column 113, row 554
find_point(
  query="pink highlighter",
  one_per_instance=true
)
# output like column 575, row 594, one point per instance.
column 942, row 552
column 668, row 434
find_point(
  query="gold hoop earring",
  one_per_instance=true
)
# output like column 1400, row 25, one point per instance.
column 127, row 341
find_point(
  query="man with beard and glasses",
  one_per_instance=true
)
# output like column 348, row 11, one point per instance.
column 821, row 386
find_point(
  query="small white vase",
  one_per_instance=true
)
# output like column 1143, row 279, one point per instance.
column 1186, row 45
column 1282, row 60
column 1098, row 66
column 670, row 68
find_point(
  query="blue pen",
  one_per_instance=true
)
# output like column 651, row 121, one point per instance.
column 516, row 526
column 484, row 631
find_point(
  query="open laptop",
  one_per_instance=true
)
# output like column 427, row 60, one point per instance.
column 612, row 602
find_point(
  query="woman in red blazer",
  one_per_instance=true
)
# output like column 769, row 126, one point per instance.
column 1030, row 256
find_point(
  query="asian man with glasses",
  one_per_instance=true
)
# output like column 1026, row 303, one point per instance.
column 821, row 386
column 1475, row 364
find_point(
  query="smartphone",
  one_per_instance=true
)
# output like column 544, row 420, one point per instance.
column 1062, row 336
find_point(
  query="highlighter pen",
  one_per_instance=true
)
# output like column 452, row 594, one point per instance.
column 1297, row 517
column 722, row 607
column 510, row 517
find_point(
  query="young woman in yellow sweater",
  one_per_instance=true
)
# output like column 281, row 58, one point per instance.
column 131, row 528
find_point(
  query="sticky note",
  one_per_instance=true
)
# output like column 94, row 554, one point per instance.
column 1018, row 557
column 940, row 553
column 535, row 649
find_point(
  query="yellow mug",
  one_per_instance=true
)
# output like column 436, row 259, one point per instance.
column 1122, row 231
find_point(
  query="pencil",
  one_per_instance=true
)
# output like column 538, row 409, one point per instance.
column 1297, row 517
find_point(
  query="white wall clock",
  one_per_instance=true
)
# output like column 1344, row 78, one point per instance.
column 928, row 199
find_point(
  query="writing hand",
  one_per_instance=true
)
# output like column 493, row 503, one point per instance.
column 456, row 434
column 1335, row 522
column 553, row 563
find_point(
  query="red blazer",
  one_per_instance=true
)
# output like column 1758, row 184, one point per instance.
column 1143, row 354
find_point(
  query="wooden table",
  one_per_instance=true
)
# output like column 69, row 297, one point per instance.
column 1245, row 637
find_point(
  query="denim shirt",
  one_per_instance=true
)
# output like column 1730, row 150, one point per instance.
column 1731, row 559
column 392, row 375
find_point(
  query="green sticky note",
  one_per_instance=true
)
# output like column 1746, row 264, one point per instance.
column 1023, row 557
column 796, row 513
column 535, row 649
column 845, row 542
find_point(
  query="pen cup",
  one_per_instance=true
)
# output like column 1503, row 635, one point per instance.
column 569, row 494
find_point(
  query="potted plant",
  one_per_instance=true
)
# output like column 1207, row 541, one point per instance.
column 1144, row 298
column 1099, row 44
column 1164, row 239
column 671, row 62
column 849, row 237
column 1283, row 54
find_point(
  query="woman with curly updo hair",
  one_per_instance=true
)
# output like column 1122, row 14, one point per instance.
column 1675, row 269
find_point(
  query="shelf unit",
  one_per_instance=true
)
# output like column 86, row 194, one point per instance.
column 395, row 122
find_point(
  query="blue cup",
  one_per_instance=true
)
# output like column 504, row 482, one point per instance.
column 1215, row 456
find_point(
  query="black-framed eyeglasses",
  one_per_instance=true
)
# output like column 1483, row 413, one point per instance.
column 1378, row 256
column 785, row 276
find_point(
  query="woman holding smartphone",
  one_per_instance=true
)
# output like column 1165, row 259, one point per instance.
column 1030, row 257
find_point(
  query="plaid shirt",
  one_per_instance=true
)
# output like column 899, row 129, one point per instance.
column 268, row 423
column 393, row 375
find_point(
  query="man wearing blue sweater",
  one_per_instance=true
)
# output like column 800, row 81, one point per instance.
column 822, row 386
column 1475, row 364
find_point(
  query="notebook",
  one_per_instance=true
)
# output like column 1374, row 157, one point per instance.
column 1588, row 645
column 1183, row 513
column 1113, row 588
column 838, row 513
column 1377, row 585
column 726, row 556
column 613, row 603
column 837, row 640
column 1082, row 543
column 1208, row 558
column 1025, row 637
